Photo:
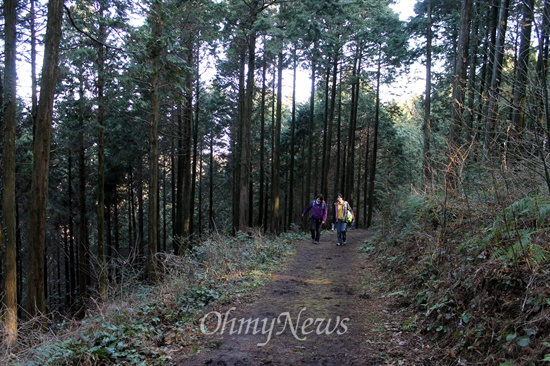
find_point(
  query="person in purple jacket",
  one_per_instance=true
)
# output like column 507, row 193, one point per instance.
column 319, row 211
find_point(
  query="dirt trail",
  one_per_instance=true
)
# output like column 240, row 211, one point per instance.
column 321, row 282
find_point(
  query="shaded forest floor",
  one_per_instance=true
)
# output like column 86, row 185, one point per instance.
column 320, row 283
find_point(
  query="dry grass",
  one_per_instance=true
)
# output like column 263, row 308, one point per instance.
column 144, row 317
column 476, row 263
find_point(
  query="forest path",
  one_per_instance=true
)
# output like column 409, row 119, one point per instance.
column 321, row 282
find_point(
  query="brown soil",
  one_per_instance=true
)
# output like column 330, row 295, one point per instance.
column 322, row 281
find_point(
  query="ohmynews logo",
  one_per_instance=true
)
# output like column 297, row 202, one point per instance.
column 300, row 329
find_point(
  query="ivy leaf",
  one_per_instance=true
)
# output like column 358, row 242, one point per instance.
column 524, row 341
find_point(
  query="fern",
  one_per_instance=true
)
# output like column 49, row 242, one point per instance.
column 513, row 229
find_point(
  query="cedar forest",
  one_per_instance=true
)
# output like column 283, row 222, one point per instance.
column 151, row 127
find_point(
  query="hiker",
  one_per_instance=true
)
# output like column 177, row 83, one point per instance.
column 319, row 212
column 342, row 214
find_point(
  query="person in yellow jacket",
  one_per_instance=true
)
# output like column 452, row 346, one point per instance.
column 341, row 217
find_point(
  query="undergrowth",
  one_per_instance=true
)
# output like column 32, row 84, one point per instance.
column 152, row 325
column 475, row 271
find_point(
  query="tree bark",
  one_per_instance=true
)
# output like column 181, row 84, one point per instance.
column 459, row 84
column 195, row 134
column 211, row 219
column 350, row 161
column 237, row 130
column 338, row 140
column 83, row 245
column 187, row 155
column 311, row 137
column 427, row 126
column 275, row 194
column 330, row 121
column 542, row 66
column 372, row 176
column 9, row 208
column 155, row 49
column 472, row 76
column 494, row 88
column 179, row 216
column 41, row 152
column 246, row 132
column 518, row 107
column 101, row 155
column 292, row 140
column 262, row 142
column 71, row 278
column 34, row 83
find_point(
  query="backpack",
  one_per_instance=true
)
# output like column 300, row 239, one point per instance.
column 349, row 216
column 315, row 203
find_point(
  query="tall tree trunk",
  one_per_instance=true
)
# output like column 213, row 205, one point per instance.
column 66, row 266
column 324, row 166
column 116, row 230
column 153, row 224
column 9, row 208
column 459, row 83
column 195, row 158
column 375, row 142
column 311, row 137
column 357, row 203
column 330, row 121
column 39, row 187
column 518, row 111
column 292, row 140
column 83, row 245
column 494, row 88
column 472, row 75
column 2, row 283
column 141, row 213
column 542, row 65
column 34, row 83
column 236, row 133
column 487, row 65
column 246, row 132
column 200, row 193
column 71, row 279
column 427, row 126
column 180, row 161
column 155, row 49
column 349, row 171
column 132, row 227
column 211, row 220
column 272, row 145
column 108, row 240
column 164, row 207
column 188, row 145
column 367, row 170
column 543, row 110
column 262, row 142
column 275, row 193
column 337, row 186
column 102, row 279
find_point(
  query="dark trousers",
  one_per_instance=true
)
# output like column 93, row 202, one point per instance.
column 315, row 228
